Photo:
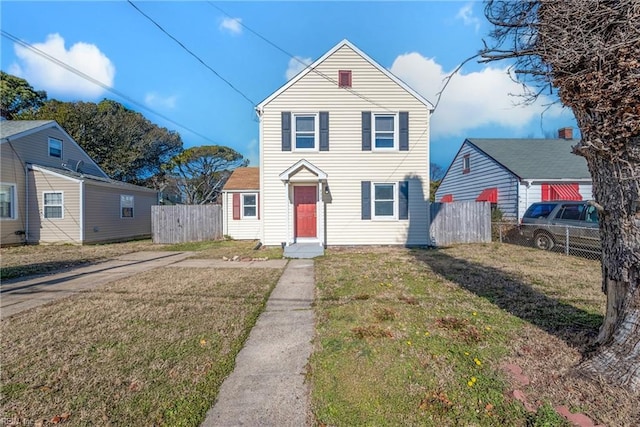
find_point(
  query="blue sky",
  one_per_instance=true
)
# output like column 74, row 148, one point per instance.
column 419, row 41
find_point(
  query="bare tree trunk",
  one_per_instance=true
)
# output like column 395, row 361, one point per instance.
column 616, row 186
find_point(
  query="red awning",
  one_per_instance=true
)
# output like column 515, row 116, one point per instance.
column 488, row 195
column 447, row 198
column 565, row 192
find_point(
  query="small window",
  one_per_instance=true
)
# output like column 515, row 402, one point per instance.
column 466, row 163
column 385, row 131
column 384, row 201
column 55, row 148
column 126, row 206
column 249, row 206
column 344, row 78
column 7, row 201
column 53, row 205
column 305, row 131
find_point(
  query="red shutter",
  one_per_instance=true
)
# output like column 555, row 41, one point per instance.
column 545, row 196
column 447, row 198
column 236, row 206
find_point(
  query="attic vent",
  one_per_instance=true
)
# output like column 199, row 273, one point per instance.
column 73, row 165
column 344, row 78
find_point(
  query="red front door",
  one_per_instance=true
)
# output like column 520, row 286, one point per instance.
column 304, row 201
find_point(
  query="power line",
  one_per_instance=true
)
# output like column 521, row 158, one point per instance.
column 192, row 54
column 99, row 83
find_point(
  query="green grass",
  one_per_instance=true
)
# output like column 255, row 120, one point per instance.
column 398, row 344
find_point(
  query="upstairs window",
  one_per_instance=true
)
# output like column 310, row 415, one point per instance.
column 466, row 163
column 385, row 131
column 344, row 78
column 126, row 206
column 55, row 148
column 305, row 131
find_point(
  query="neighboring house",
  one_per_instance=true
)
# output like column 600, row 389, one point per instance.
column 344, row 157
column 513, row 173
column 241, row 202
column 51, row 191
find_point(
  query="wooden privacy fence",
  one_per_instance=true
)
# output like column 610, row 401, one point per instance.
column 186, row 223
column 460, row 222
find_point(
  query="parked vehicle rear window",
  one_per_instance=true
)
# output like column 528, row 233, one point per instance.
column 540, row 210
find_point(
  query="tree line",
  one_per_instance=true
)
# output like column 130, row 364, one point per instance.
column 126, row 145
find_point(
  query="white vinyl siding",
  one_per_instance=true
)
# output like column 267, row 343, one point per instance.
column 533, row 193
column 245, row 229
column 345, row 163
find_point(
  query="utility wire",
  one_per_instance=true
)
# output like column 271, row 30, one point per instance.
column 192, row 54
column 99, row 83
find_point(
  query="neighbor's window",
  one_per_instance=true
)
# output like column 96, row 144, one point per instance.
column 7, row 201
column 249, row 205
column 55, row 148
column 305, row 131
column 384, row 201
column 53, row 204
column 384, row 128
column 126, row 206
column 344, row 78
column 466, row 163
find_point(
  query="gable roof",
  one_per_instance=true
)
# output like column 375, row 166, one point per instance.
column 76, row 176
column 535, row 158
column 243, row 179
column 11, row 129
column 311, row 68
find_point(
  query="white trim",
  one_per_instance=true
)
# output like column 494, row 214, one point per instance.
column 396, row 131
column 316, row 132
column 133, row 206
column 44, row 204
column 302, row 163
column 314, row 65
column 292, row 205
column 50, row 172
column 13, row 202
column 396, row 197
column 242, row 215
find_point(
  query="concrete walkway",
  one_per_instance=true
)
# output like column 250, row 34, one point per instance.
column 267, row 386
column 24, row 293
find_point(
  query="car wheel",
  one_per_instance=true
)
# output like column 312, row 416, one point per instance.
column 543, row 241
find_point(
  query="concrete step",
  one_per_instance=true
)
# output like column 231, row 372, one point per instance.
column 303, row 250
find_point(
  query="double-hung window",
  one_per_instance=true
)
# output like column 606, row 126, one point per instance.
column 53, row 203
column 7, row 201
column 385, row 132
column 249, row 206
column 305, row 131
column 466, row 163
column 384, row 201
column 126, row 206
column 55, row 148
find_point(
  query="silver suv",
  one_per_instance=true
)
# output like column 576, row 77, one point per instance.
column 562, row 222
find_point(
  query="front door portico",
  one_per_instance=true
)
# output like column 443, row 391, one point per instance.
column 304, row 200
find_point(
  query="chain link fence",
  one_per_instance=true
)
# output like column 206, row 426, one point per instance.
column 577, row 241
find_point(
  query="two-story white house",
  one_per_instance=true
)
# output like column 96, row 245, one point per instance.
column 51, row 191
column 344, row 157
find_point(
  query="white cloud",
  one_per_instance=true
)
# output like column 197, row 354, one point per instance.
column 44, row 74
column 154, row 100
column 296, row 65
column 470, row 100
column 466, row 14
column 233, row 25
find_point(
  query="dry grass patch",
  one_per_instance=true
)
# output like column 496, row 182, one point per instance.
column 18, row 261
column 459, row 315
column 149, row 350
column 243, row 249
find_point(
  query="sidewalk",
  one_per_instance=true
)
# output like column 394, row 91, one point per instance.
column 24, row 293
column 267, row 386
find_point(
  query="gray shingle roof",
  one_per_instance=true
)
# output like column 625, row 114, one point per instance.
column 10, row 128
column 536, row 158
column 87, row 177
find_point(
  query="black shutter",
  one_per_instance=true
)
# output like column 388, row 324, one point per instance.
column 404, row 131
column 403, row 202
column 366, row 199
column 366, row 131
column 286, row 131
column 324, row 131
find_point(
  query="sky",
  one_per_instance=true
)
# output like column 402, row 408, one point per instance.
column 204, row 71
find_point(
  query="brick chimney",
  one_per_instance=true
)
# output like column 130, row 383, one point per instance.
column 565, row 133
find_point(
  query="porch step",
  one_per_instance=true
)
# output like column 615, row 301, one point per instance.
column 303, row 250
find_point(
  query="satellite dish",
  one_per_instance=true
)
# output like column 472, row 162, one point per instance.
column 73, row 165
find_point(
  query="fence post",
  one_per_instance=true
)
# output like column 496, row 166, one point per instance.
column 566, row 241
column 500, row 230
